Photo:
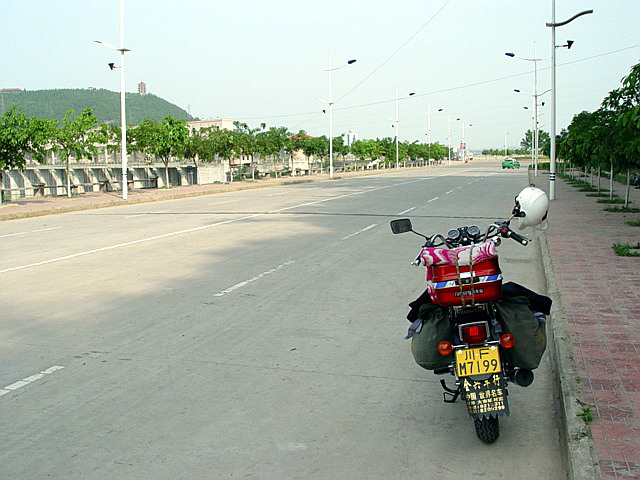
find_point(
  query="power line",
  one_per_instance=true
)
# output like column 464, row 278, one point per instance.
column 396, row 52
column 460, row 87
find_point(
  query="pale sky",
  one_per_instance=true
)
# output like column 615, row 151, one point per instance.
column 257, row 61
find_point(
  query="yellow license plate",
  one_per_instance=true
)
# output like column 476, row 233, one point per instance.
column 477, row 361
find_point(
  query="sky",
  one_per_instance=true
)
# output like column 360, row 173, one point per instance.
column 264, row 62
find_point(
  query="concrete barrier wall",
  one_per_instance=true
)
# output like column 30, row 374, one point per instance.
column 86, row 178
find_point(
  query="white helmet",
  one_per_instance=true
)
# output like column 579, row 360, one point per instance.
column 532, row 206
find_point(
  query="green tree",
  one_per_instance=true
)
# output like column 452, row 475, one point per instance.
column 544, row 142
column 20, row 136
column 162, row 140
column 76, row 136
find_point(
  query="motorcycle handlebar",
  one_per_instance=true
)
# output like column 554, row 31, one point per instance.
column 506, row 232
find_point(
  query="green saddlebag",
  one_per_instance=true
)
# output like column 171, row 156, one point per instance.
column 436, row 327
column 516, row 318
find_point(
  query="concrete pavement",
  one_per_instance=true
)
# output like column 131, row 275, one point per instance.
column 595, row 316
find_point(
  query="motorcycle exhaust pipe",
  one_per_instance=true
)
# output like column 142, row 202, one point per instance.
column 523, row 377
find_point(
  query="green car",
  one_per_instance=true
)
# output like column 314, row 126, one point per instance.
column 510, row 163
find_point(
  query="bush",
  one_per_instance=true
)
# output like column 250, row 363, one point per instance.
column 626, row 249
column 622, row 209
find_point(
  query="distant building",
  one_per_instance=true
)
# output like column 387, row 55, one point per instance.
column 350, row 137
column 92, row 88
column 10, row 90
column 220, row 124
column 142, row 88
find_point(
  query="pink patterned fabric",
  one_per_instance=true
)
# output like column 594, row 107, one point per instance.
column 469, row 255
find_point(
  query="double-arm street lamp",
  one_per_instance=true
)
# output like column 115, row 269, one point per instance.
column 553, row 25
column 429, row 129
column 123, row 115
column 535, row 95
column 449, row 138
column 330, row 69
column 397, row 121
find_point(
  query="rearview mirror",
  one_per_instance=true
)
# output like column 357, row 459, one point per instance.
column 402, row 225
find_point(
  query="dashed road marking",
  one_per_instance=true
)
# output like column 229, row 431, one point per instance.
column 407, row 210
column 360, row 231
column 251, row 280
column 26, row 381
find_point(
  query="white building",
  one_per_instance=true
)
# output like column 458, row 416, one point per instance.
column 350, row 137
column 220, row 124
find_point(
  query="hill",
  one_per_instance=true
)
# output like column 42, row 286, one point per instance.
column 105, row 105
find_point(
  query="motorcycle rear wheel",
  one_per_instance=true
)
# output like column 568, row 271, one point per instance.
column 487, row 428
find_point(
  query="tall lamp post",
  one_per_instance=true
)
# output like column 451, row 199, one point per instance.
column 464, row 143
column 397, row 121
column 330, row 69
column 535, row 138
column 449, row 137
column 429, row 129
column 553, row 25
column 123, row 114
column 505, row 143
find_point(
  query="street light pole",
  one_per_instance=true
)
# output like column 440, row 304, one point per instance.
column 397, row 121
column 330, row 102
column 123, row 113
column 553, row 25
column 397, row 132
column 505, row 143
column 429, row 129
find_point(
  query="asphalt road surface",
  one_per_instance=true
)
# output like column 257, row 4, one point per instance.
column 253, row 334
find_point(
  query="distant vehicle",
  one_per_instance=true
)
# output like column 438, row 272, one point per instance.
column 510, row 163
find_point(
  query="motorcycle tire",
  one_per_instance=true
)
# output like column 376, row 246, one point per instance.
column 487, row 428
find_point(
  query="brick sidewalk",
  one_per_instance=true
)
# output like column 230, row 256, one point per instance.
column 600, row 296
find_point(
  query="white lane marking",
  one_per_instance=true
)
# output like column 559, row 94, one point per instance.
column 26, row 381
column 134, row 242
column 251, row 280
column 226, row 201
column 45, row 229
column 195, row 229
column 146, row 213
column 406, row 211
column 360, row 231
column 13, row 234
column 450, row 191
column 434, row 198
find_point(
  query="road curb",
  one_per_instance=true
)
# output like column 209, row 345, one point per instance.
column 148, row 199
column 582, row 458
column 224, row 188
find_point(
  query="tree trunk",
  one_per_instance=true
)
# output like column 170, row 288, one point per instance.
column 68, row 178
column 611, row 181
column 166, row 174
column 628, row 189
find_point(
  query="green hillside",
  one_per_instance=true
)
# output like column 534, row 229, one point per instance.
column 105, row 105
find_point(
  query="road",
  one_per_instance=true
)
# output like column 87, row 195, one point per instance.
column 252, row 334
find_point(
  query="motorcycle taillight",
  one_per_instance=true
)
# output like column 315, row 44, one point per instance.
column 474, row 333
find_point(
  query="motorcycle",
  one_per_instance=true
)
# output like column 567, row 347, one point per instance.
column 467, row 324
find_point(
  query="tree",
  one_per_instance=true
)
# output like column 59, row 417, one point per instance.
column 75, row 136
column 624, row 105
column 162, row 140
column 273, row 141
column 20, row 136
column 544, row 141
